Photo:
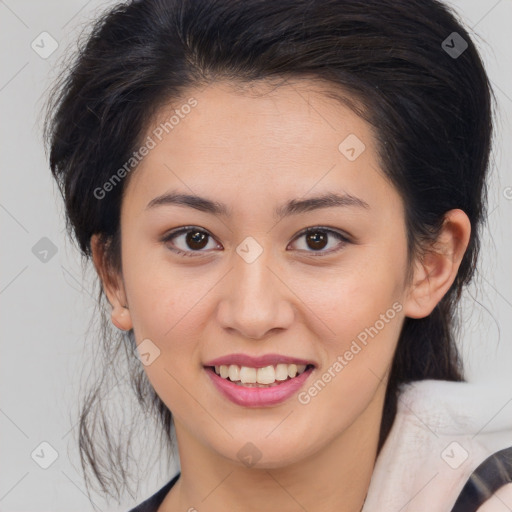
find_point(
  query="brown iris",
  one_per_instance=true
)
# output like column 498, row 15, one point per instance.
column 318, row 239
column 196, row 237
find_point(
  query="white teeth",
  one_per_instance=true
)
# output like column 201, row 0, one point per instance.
column 247, row 375
column 281, row 371
column 233, row 372
column 267, row 375
column 224, row 372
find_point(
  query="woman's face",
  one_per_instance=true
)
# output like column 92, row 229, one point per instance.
column 250, row 282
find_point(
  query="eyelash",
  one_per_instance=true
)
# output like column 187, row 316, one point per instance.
column 342, row 238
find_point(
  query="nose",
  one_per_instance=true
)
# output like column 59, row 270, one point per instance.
column 256, row 299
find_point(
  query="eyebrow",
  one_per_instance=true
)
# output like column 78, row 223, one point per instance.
column 292, row 207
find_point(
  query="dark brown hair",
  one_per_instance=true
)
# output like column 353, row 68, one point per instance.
column 424, row 92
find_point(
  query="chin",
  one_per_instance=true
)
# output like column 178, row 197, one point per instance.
column 264, row 453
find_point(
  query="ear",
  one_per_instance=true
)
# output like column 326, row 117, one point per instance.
column 437, row 270
column 112, row 284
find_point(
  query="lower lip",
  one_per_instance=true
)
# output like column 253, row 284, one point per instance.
column 258, row 397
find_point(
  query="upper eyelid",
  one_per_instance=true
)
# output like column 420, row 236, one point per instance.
column 324, row 228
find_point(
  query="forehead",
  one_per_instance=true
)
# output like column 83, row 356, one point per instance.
column 260, row 140
column 305, row 112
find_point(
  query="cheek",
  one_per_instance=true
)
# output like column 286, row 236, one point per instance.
column 166, row 308
column 366, row 319
column 354, row 296
column 362, row 309
column 161, row 294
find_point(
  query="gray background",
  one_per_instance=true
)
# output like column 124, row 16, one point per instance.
column 47, row 306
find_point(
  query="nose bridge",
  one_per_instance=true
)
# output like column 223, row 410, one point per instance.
column 256, row 303
column 251, row 263
column 253, row 277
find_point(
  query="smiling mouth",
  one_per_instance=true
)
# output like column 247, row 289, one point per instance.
column 266, row 377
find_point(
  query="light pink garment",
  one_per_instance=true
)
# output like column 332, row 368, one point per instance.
column 443, row 430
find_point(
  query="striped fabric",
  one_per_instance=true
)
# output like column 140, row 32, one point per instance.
column 493, row 473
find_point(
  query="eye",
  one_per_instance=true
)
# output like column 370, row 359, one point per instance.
column 317, row 238
column 193, row 239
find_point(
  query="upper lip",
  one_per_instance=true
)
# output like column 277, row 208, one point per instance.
column 257, row 362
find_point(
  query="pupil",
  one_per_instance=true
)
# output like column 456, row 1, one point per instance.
column 319, row 242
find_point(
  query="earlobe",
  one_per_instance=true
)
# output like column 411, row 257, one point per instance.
column 113, row 286
column 437, row 270
column 121, row 318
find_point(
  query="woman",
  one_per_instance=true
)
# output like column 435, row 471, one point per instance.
column 283, row 202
